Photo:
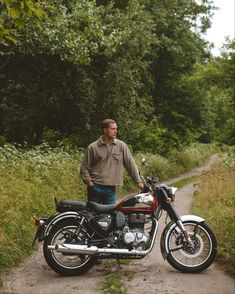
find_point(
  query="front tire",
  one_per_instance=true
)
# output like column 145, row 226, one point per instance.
column 66, row 264
column 195, row 258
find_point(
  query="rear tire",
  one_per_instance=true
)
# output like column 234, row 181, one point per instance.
column 66, row 264
column 191, row 259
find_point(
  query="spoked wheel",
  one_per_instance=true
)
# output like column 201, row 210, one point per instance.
column 66, row 263
column 192, row 258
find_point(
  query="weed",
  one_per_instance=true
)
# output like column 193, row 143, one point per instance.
column 113, row 284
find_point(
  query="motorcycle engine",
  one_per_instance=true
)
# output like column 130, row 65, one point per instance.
column 134, row 234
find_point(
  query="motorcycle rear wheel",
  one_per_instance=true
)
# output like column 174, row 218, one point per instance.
column 195, row 258
column 66, row 264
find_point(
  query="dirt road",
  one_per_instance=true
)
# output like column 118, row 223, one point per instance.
column 151, row 275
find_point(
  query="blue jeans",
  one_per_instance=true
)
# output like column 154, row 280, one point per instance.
column 101, row 194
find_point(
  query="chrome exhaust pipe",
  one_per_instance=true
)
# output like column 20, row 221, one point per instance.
column 94, row 250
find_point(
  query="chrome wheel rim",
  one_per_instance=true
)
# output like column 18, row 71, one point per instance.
column 186, row 255
column 69, row 261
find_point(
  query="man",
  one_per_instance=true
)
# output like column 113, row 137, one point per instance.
column 102, row 166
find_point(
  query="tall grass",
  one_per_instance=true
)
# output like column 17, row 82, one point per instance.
column 29, row 181
column 216, row 202
column 31, row 178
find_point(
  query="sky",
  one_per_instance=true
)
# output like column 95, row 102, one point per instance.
column 223, row 24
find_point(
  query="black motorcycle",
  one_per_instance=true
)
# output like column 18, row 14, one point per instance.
column 80, row 233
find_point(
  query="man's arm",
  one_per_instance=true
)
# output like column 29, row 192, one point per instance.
column 85, row 167
column 131, row 167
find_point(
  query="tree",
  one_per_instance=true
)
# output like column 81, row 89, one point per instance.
column 214, row 81
column 14, row 15
column 178, row 25
column 130, row 60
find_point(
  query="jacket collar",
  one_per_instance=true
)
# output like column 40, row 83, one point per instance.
column 101, row 142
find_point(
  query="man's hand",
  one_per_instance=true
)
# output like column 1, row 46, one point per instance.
column 90, row 183
column 140, row 185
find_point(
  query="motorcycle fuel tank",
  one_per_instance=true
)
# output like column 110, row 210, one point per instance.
column 143, row 202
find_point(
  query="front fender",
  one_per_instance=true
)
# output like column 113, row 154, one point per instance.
column 58, row 217
column 170, row 226
column 191, row 217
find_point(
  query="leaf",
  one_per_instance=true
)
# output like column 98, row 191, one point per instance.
column 13, row 13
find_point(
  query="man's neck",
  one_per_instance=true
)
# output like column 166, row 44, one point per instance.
column 106, row 140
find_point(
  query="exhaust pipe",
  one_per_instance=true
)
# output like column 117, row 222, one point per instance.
column 94, row 250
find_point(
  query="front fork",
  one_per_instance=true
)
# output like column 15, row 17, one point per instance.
column 184, row 232
column 175, row 217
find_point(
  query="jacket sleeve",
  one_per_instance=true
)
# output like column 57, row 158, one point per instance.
column 130, row 165
column 85, row 166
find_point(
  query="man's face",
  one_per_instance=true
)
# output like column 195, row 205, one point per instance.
column 111, row 131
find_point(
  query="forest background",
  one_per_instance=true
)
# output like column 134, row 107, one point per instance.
column 67, row 65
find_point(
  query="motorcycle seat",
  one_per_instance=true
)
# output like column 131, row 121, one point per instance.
column 71, row 205
column 101, row 208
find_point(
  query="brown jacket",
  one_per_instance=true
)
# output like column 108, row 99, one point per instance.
column 104, row 164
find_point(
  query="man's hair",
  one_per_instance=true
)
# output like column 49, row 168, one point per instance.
column 105, row 123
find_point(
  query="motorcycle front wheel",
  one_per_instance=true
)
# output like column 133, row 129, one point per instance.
column 192, row 258
column 66, row 264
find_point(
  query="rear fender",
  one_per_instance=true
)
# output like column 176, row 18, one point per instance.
column 59, row 217
column 172, row 225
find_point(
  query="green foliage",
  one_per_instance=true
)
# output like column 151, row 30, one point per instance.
column 2, row 141
column 183, row 182
column 14, row 15
column 180, row 46
column 113, row 284
column 176, row 162
column 51, row 137
column 79, row 62
column 214, row 90
column 149, row 138
column 215, row 202
column 29, row 180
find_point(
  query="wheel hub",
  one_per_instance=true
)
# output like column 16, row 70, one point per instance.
column 190, row 249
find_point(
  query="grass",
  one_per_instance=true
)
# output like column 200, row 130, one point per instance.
column 183, row 182
column 31, row 178
column 216, row 202
column 29, row 181
column 114, row 282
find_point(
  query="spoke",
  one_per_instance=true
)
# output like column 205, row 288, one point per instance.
column 191, row 256
column 68, row 260
column 195, row 230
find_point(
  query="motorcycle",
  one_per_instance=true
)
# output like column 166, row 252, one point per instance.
column 80, row 233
